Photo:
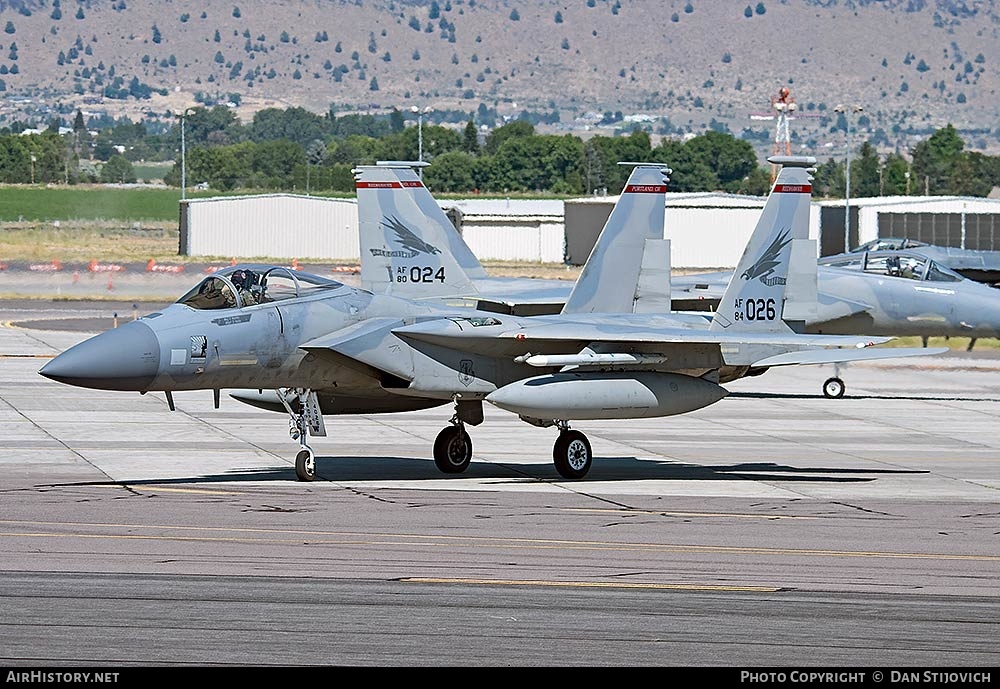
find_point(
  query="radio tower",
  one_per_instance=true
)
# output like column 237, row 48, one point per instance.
column 783, row 106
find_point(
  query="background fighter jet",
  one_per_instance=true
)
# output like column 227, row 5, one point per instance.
column 323, row 347
column 886, row 293
column 980, row 266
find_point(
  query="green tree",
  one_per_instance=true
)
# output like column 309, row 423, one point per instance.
column 498, row 136
column 118, row 170
column 274, row 163
column 828, row 182
column 894, row 172
column 865, row 172
column 757, row 183
column 934, row 159
column 688, row 173
column 216, row 126
column 535, row 163
column 470, row 138
column 601, row 157
column 452, row 172
column 15, row 160
column 397, row 121
column 729, row 158
column 295, row 124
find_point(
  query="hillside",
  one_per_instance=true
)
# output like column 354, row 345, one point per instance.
column 914, row 65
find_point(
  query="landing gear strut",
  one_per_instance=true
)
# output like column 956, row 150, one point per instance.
column 571, row 454
column 300, row 424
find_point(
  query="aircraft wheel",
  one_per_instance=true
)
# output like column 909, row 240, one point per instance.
column 305, row 465
column 572, row 455
column 453, row 450
column 834, row 387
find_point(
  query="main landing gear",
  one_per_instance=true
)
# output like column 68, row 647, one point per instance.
column 571, row 453
column 834, row 387
column 308, row 418
column 453, row 446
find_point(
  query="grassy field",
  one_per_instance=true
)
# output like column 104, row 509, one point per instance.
column 47, row 205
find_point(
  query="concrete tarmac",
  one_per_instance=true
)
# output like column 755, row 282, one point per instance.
column 774, row 528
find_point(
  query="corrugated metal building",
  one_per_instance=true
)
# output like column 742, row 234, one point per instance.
column 706, row 230
column 967, row 222
column 270, row 225
column 510, row 230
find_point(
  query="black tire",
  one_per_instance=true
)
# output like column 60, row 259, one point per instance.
column 834, row 388
column 572, row 455
column 453, row 450
column 305, row 465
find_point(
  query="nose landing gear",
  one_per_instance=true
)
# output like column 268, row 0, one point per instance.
column 307, row 419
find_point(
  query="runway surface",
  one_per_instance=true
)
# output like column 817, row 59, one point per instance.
column 774, row 528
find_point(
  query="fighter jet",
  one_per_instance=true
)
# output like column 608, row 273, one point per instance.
column 894, row 293
column 977, row 265
column 319, row 347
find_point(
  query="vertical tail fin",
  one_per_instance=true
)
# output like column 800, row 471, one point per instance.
column 756, row 295
column 409, row 248
column 610, row 278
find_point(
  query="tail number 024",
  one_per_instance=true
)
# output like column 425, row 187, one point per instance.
column 420, row 274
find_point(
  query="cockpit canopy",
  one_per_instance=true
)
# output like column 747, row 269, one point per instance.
column 251, row 284
column 896, row 264
column 887, row 244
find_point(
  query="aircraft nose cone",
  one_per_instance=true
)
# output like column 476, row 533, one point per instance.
column 126, row 358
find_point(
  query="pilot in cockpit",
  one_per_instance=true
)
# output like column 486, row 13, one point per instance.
column 243, row 282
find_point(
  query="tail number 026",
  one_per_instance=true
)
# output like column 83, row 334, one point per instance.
column 755, row 310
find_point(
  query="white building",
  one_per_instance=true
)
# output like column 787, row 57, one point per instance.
column 706, row 230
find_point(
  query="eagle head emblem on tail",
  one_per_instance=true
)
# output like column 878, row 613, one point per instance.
column 407, row 239
column 768, row 261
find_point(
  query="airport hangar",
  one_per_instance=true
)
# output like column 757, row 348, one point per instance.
column 708, row 230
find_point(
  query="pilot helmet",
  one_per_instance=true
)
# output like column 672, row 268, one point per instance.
column 237, row 278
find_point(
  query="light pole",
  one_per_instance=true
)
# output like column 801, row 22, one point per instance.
column 183, row 117
column 420, row 135
column 847, row 112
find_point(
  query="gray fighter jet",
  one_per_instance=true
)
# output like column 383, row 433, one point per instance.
column 981, row 266
column 894, row 293
column 319, row 347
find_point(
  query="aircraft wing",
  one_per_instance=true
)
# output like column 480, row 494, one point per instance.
column 370, row 345
column 600, row 341
column 464, row 333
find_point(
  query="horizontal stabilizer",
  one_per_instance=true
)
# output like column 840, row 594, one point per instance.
column 840, row 356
